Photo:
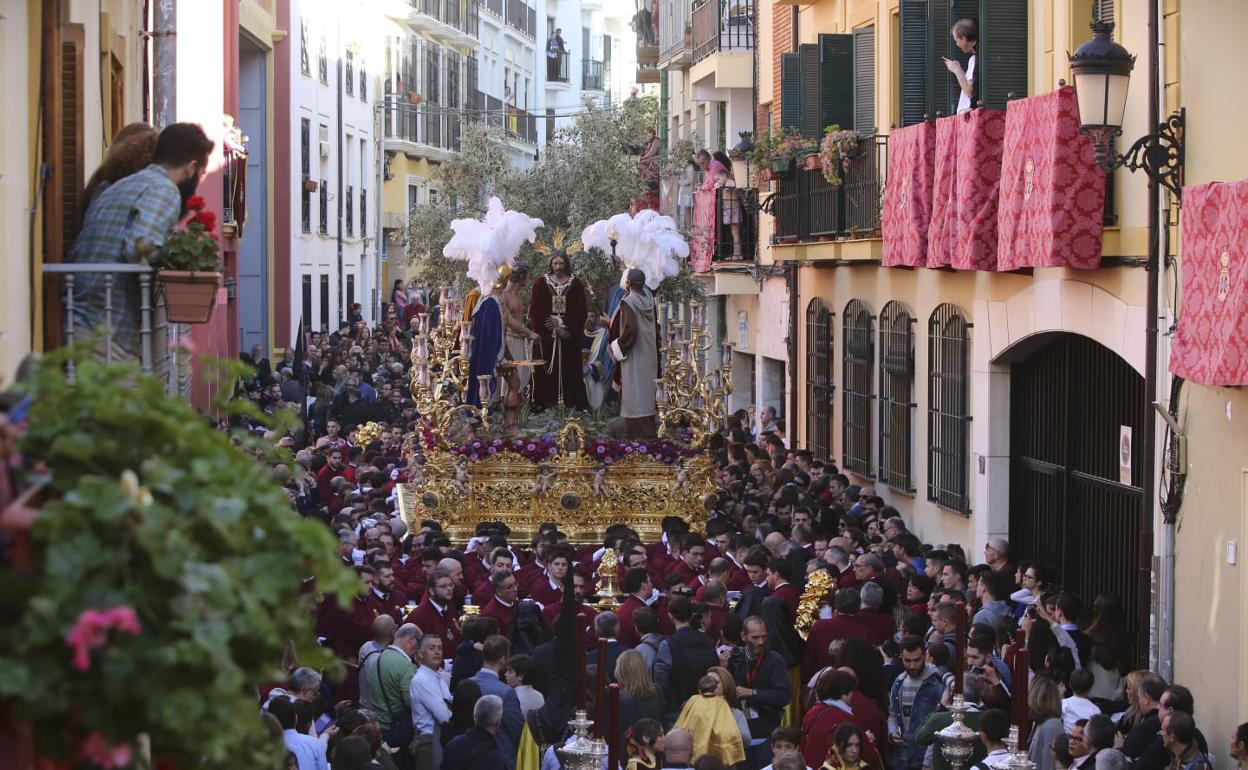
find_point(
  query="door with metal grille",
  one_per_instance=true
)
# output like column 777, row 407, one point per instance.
column 1072, row 404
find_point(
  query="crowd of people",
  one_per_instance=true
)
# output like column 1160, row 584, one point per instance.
column 704, row 642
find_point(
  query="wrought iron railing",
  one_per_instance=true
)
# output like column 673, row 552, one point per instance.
column 591, row 75
column 522, row 18
column 806, row 205
column 741, row 209
column 463, row 15
column 864, row 185
column 124, row 283
column 558, row 67
column 674, row 21
column 430, row 125
column 722, row 25
column 494, row 6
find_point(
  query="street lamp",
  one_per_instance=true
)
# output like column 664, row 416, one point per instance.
column 1102, row 72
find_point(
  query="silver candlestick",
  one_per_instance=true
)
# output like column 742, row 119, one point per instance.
column 583, row 753
column 957, row 741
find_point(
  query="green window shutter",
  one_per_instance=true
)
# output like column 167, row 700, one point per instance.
column 913, row 61
column 836, row 80
column 939, row 81
column 864, row 80
column 790, row 91
column 1002, row 51
column 810, row 125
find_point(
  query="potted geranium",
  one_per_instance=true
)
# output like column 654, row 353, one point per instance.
column 188, row 267
column 791, row 147
column 836, row 152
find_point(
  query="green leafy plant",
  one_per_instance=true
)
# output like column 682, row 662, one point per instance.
column 792, row 145
column 836, row 151
column 763, row 151
column 170, row 576
column 194, row 247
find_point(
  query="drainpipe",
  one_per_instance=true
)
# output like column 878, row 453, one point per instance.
column 341, row 308
column 164, row 62
column 790, row 425
column 1165, row 582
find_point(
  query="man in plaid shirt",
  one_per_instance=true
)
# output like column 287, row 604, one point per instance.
column 146, row 204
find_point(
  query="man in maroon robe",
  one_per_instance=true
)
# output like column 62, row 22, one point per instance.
column 557, row 312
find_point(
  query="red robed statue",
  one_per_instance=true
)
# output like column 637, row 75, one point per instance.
column 557, row 312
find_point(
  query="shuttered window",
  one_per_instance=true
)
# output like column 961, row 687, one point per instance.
column 71, row 178
column 864, row 80
column 836, row 81
column 896, row 396
column 810, row 125
column 790, row 91
column 927, row 87
column 948, row 409
column 819, row 388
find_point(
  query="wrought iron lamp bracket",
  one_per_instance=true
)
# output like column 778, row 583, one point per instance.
column 1159, row 154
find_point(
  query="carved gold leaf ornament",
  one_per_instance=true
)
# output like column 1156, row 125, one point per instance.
column 819, row 587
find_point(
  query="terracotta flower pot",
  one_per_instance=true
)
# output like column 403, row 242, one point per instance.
column 189, row 296
column 813, row 162
column 767, row 174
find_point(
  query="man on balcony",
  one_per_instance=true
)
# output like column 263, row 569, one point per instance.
column 555, row 50
column 966, row 37
column 142, row 207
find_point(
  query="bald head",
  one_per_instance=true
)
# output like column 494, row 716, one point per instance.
column 678, row 746
column 383, row 629
column 453, row 568
column 774, row 542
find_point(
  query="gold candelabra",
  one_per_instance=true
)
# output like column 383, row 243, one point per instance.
column 440, row 373
column 691, row 391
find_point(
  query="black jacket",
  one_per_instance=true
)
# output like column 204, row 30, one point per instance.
column 474, row 750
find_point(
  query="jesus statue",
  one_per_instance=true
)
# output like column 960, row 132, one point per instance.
column 557, row 310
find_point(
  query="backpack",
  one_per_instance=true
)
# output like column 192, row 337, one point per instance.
column 692, row 654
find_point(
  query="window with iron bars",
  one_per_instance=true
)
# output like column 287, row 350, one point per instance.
column 363, row 212
column 896, row 412
column 349, row 213
column 322, row 62
column 819, row 387
column 304, row 65
column 858, row 373
column 349, row 75
column 305, row 167
column 948, row 409
column 324, row 191
column 363, row 81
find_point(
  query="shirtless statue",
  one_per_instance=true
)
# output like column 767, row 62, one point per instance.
column 518, row 335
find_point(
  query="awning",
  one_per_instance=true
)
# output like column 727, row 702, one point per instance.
column 908, row 195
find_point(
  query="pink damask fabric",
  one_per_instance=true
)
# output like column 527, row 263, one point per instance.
column 963, row 233
column 1211, row 342
column 702, row 240
column 908, row 195
column 1052, row 209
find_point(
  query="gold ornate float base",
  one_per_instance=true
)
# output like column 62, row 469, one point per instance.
column 578, row 494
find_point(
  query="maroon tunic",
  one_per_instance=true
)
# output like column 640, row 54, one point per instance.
column 570, row 367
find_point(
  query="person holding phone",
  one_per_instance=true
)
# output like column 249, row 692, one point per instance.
column 966, row 37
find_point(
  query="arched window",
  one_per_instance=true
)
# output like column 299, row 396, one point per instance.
column 859, row 389
column 896, row 396
column 819, row 387
column 948, row 409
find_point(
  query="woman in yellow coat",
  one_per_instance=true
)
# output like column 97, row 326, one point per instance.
column 708, row 717
column 846, row 751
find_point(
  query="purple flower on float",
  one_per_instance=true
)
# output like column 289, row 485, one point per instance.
column 600, row 450
column 490, row 450
column 531, row 447
column 552, row 451
column 606, row 460
column 643, row 449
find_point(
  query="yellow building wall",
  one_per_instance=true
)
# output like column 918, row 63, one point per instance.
column 1211, row 613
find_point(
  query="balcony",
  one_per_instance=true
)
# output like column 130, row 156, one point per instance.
column 126, row 286
column 454, row 22
column 521, row 126
column 722, row 25
column 647, row 73
column 591, row 75
column 522, row 18
column 807, row 207
column 559, row 68
column 675, row 33
column 495, row 7
column 425, row 130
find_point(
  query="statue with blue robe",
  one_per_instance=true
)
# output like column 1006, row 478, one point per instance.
column 487, row 346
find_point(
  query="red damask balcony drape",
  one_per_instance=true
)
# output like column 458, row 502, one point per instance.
column 966, row 187
column 1052, row 202
column 1211, row 342
column 907, row 211
column 702, row 240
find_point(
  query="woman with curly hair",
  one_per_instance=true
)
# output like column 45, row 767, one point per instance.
column 846, row 750
column 131, row 151
column 643, row 743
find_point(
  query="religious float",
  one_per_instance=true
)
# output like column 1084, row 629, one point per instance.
column 463, row 472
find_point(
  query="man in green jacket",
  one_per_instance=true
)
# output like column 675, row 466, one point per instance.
column 972, row 692
column 389, row 689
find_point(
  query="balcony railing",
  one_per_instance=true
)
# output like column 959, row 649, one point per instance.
column 522, row 18
column 521, row 125
column 806, row 206
column 591, row 75
column 126, row 286
column 430, row 125
column 674, row 36
column 494, row 6
column 741, row 208
column 558, row 67
column 463, row 15
column 722, row 25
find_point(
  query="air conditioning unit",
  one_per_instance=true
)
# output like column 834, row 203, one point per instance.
column 324, row 149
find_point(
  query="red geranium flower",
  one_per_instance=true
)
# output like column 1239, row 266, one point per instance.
column 206, row 218
column 196, row 203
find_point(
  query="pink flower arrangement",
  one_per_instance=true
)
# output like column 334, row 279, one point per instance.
column 98, row 751
column 91, row 631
